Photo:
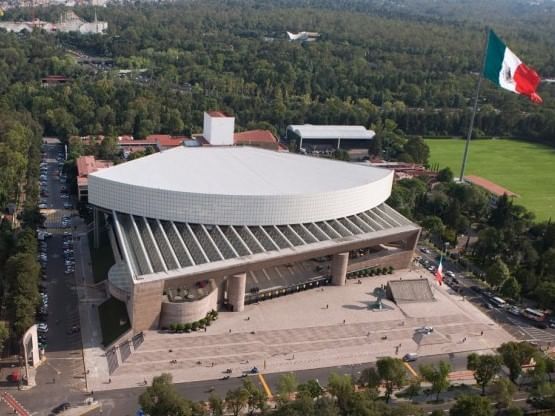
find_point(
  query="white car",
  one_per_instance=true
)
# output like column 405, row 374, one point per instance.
column 449, row 273
column 43, row 206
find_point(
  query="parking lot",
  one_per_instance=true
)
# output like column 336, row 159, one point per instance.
column 61, row 377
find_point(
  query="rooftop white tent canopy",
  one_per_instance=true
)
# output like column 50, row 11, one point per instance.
column 330, row 132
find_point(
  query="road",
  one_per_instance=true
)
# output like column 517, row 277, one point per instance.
column 61, row 377
column 519, row 327
column 125, row 402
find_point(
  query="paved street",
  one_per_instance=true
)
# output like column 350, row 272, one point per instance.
column 520, row 327
column 62, row 375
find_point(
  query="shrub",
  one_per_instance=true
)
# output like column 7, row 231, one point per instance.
column 384, row 270
column 172, row 327
column 194, row 326
column 390, row 270
column 187, row 327
column 179, row 327
column 214, row 314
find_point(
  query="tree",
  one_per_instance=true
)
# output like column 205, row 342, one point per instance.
column 287, row 385
column 502, row 391
column 417, row 149
column 445, row 175
column 256, row 397
column 413, row 389
column 161, row 399
column 4, row 334
column 485, row 368
column 515, row 355
column 510, row 288
column 216, row 405
column 311, row 388
column 341, row 387
column 497, row 273
column 369, row 378
column 471, row 405
column 392, row 374
column 437, row 376
column 236, row 400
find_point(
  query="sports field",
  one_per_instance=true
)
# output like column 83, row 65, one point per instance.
column 527, row 169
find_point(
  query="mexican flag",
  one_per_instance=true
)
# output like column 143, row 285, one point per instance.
column 439, row 272
column 504, row 68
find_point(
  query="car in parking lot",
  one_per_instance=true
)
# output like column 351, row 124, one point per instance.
column 449, row 273
column 68, row 205
column 43, row 206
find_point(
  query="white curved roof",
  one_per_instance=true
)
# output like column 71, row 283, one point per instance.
column 310, row 131
column 238, row 186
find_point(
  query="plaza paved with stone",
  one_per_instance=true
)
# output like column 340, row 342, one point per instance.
column 310, row 329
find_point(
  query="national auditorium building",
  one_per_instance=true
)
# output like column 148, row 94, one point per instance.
column 195, row 229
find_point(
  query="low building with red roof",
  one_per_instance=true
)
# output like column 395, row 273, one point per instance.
column 256, row 138
column 85, row 166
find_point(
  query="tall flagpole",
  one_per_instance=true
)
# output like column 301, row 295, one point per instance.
column 475, row 107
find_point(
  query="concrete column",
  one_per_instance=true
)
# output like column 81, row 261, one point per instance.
column 96, row 229
column 339, row 264
column 236, row 285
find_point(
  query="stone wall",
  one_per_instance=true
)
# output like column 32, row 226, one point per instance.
column 145, row 305
column 190, row 311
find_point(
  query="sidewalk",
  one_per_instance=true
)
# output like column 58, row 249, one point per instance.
column 90, row 296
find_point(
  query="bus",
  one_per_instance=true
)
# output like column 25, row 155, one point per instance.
column 500, row 303
column 534, row 314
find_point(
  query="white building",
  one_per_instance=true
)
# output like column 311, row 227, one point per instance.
column 203, row 221
column 329, row 135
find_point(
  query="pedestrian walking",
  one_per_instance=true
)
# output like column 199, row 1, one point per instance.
column 343, row 321
column 327, row 306
column 53, row 380
column 482, row 333
column 109, row 381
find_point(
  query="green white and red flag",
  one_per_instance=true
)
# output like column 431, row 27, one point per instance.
column 439, row 271
column 504, row 68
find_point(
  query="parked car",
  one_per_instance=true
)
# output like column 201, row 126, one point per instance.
column 43, row 206
column 411, row 356
column 60, row 408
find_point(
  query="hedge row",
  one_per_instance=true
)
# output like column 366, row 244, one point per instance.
column 374, row 271
column 194, row 326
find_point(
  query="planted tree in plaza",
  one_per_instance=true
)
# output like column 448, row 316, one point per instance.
column 437, row 376
column 161, row 399
column 413, row 389
column 515, row 355
column 485, row 368
column 392, row 374
column 471, row 405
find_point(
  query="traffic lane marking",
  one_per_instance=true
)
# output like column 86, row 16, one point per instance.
column 411, row 370
column 265, row 386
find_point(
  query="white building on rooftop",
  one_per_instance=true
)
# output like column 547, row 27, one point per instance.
column 348, row 137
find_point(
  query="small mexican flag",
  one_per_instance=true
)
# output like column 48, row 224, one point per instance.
column 504, row 68
column 439, row 272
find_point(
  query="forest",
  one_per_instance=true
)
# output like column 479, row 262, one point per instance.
column 370, row 63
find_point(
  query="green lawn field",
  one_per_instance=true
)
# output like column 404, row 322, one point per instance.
column 527, row 169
